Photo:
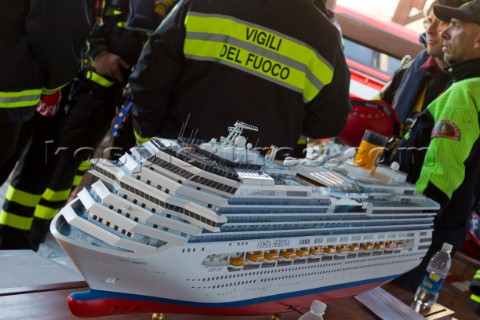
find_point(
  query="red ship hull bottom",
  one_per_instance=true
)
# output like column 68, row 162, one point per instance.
column 105, row 306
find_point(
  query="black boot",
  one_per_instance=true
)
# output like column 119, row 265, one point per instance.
column 14, row 239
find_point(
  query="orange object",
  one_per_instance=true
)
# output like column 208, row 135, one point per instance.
column 237, row 261
column 370, row 150
column 256, row 256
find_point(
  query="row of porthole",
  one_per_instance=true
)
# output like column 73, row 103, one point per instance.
column 296, row 269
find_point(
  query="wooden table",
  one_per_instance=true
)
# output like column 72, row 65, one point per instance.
column 51, row 303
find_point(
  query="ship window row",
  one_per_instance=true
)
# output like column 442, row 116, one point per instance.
column 104, row 172
column 425, row 240
column 213, row 237
column 114, row 226
column 153, row 210
column 218, row 286
column 270, row 210
column 391, row 211
column 348, row 208
column 301, row 275
column 143, row 152
column 148, row 224
column 320, row 225
column 214, row 184
column 279, row 201
column 173, row 168
column 169, row 206
column 264, row 215
column 297, row 194
column 217, row 169
column 188, row 175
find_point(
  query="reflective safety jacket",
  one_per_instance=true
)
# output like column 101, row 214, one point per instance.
column 274, row 64
column 41, row 41
column 441, row 153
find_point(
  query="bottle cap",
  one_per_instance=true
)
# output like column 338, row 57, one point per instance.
column 447, row 247
column 318, row 306
column 375, row 138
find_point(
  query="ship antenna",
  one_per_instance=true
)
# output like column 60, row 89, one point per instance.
column 191, row 137
column 184, row 127
column 256, row 144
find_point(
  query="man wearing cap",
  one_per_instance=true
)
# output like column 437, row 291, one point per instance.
column 445, row 137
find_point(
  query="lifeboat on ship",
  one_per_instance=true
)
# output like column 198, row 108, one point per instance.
column 379, row 246
column 236, row 262
column 255, row 257
column 341, row 250
column 316, row 251
column 287, row 254
column 271, row 255
column 302, row 253
column 366, row 246
column 353, row 248
column 391, row 244
column 330, row 250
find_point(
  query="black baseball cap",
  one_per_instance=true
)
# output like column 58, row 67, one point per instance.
column 468, row 12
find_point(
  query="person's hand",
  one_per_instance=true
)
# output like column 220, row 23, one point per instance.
column 49, row 104
column 109, row 64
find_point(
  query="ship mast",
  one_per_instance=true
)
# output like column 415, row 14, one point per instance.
column 234, row 132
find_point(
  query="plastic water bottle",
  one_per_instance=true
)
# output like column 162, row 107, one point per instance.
column 437, row 270
column 317, row 309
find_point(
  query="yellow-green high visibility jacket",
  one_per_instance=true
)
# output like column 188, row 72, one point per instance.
column 274, row 64
column 441, row 153
column 41, row 41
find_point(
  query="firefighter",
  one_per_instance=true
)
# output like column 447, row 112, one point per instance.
column 41, row 45
column 113, row 46
column 217, row 62
column 441, row 153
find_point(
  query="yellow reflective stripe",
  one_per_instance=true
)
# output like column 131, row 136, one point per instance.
column 60, row 195
column 21, row 197
column 84, row 166
column 46, row 91
column 112, row 12
column 95, row 77
column 139, row 138
column 122, row 24
column 45, row 213
column 475, row 298
column 76, row 180
column 241, row 44
column 14, row 221
column 302, row 140
column 18, row 99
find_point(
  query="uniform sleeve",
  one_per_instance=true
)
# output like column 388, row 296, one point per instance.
column 57, row 30
column 455, row 133
column 327, row 113
column 390, row 90
column 158, row 69
column 97, row 41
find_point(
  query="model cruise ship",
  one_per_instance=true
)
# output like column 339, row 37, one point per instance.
column 215, row 228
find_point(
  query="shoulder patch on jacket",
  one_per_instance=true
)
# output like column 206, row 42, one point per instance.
column 446, row 129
